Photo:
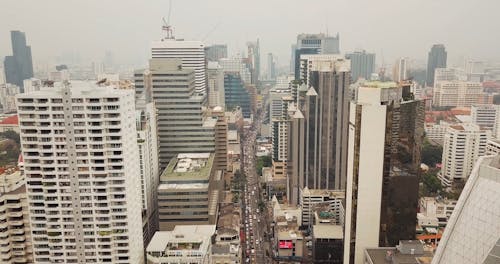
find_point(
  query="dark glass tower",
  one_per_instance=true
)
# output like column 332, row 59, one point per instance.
column 437, row 59
column 235, row 93
column 19, row 66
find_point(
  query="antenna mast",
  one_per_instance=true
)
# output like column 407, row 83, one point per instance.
column 167, row 28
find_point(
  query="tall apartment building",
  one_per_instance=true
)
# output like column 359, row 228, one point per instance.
column 386, row 129
column 362, row 64
column 192, row 54
column 236, row 94
column 188, row 193
column 15, row 235
column 463, row 145
column 19, row 65
column 457, row 93
column 221, row 144
column 215, row 75
column 253, row 60
column 486, row 116
column 313, row 44
column 448, row 74
column 271, row 67
column 436, row 59
column 182, row 124
column 400, row 69
column 473, row 231
column 79, row 145
column 216, row 52
column 147, row 141
column 318, row 142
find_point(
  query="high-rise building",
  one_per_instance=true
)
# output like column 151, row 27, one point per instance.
column 19, row 66
column 437, row 59
column 237, row 64
column 463, row 145
column 79, row 144
column 220, row 160
column 216, row 52
column 236, row 94
column 271, row 67
column 448, row 74
column 188, row 193
column 215, row 75
column 457, row 93
column 192, row 54
column 400, row 70
column 473, row 231
column 15, row 235
column 182, row 124
column 386, row 129
column 486, row 116
column 313, row 44
column 253, row 60
column 318, row 132
column 362, row 64
column 147, row 141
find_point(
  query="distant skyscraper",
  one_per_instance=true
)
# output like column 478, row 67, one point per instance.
column 386, row 129
column 271, row 67
column 437, row 59
column 463, row 145
column 192, row 54
column 318, row 143
column 253, row 60
column 216, row 52
column 400, row 70
column 362, row 64
column 182, row 126
column 472, row 234
column 314, row 44
column 82, row 174
column 215, row 75
column 236, row 94
column 19, row 66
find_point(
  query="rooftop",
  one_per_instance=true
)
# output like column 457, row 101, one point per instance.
column 188, row 166
column 183, row 237
column 407, row 252
column 380, row 84
column 328, row 231
column 11, row 120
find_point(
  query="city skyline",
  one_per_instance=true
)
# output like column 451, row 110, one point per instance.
column 235, row 29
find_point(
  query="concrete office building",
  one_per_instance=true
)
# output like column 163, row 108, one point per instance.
column 215, row 75
column 463, row 145
column 400, row 69
column 271, row 67
column 327, row 236
column 435, row 210
column 253, row 61
column 188, row 193
column 486, row 116
column 436, row 59
column 362, row 64
column 318, row 129
column 79, row 144
column 15, row 235
column 313, row 44
column 147, row 141
column 236, row 65
column 448, row 74
column 18, row 66
column 182, row 124
column 192, row 54
column 473, row 231
column 310, row 198
column 457, row 93
column 184, row 244
column 386, row 129
column 215, row 52
column 221, row 142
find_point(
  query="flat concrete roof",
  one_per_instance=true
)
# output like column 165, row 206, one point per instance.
column 328, row 231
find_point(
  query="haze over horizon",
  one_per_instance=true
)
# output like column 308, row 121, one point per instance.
column 389, row 28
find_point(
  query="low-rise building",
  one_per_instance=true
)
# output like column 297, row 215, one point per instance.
column 288, row 241
column 312, row 197
column 407, row 252
column 227, row 247
column 327, row 236
column 435, row 212
column 10, row 123
column 15, row 237
column 188, row 193
column 184, row 244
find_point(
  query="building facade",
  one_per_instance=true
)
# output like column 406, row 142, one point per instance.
column 400, row 69
column 236, row 94
column 80, row 152
column 313, row 44
column 215, row 77
column 216, row 52
column 457, row 93
column 386, row 129
column 18, row 66
column 362, row 64
column 486, row 116
column 436, row 59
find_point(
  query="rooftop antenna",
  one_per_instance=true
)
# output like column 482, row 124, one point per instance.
column 167, row 28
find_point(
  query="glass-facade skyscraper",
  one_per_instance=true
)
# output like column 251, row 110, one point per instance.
column 437, row 59
column 19, row 66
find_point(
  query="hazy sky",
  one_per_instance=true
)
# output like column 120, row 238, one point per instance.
column 468, row 28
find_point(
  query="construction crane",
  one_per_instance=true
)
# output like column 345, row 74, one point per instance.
column 167, row 28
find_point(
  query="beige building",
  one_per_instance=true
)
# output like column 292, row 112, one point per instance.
column 15, row 236
column 220, row 161
column 457, row 93
column 188, row 193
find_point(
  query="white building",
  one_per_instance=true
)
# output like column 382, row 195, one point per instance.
column 486, row 116
column 184, row 244
column 493, row 147
column 147, row 141
column 15, row 236
column 436, row 132
column 463, row 145
column 32, row 85
column 236, row 65
column 310, row 198
column 457, row 93
column 438, row 210
column 7, row 97
column 80, row 152
column 448, row 74
column 215, row 85
column 192, row 54
column 400, row 70
column 473, row 231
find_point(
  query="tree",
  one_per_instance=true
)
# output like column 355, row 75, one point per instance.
column 431, row 154
column 11, row 135
column 431, row 184
column 264, row 161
